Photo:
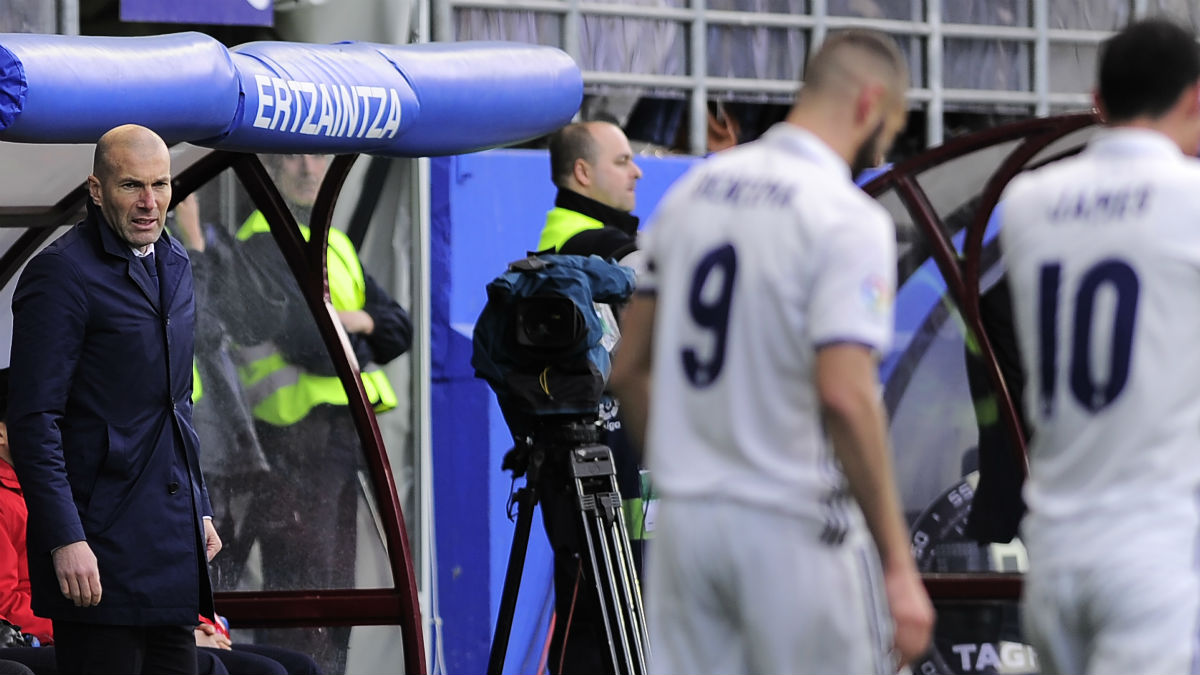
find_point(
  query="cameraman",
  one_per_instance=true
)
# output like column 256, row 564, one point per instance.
column 592, row 166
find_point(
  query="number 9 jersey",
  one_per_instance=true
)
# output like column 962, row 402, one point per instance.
column 757, row 258
column 1103, row 257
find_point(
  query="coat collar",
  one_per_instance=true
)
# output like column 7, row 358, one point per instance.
column 168, row 256
column 573, row 201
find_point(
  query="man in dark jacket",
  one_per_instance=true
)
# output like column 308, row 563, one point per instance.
column 592, row 165
column 101, row 425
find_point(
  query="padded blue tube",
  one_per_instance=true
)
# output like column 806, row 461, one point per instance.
column 71, row 89
column 412, row 100
column 473, row 93
column 409, row 101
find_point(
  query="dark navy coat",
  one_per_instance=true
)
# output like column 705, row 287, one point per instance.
column 100, row 426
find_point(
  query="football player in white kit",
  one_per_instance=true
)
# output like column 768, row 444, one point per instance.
column 1103, row 258
column 751, row 344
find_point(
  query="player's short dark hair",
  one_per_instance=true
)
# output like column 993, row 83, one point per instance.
column 1145, row 68
column 825, row 68
column 568, row 144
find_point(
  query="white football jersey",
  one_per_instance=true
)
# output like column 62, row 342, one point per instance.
column 1103, row 259
column 757, row 257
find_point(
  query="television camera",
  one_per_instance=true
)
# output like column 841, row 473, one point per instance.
column 543, row 342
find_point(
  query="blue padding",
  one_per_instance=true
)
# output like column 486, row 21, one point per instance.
column 477, row 95
column 325, row 98
column 413, row 100
column 71, row 89
column 404, row 101
column 12, row 87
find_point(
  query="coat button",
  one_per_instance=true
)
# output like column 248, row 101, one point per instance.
column 172, row 487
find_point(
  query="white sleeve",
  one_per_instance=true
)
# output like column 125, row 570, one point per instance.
column 644, row 262
column 853, row 290
column 636, row 261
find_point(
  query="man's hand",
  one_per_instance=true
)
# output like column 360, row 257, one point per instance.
column 212, row 542
column 207, row 636
column 356, row 321
column 912, row 613
column 78, row 573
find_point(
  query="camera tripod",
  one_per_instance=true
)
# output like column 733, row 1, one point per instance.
column 605, row 543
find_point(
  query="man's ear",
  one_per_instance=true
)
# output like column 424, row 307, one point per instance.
column 869, row 105
column 1191, row 100
column 94, row 189
column 582, row 171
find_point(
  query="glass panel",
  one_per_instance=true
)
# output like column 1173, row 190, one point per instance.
column 500, row 24
column 954, row 186
column 877, row 9
column 1091, row 15
column 914, row 51
column 1185, row 11
column 48, row 172
column 386, row 252
column 284, row 465
column 756, row 53
column 1068, row 143
column 364, row 650
column 626, row 45
column 987, row 12
column 28, row 16
column 978, row 637
column 1072, row 67
column 933, row 427
column 1001, row 65
column 911, row 246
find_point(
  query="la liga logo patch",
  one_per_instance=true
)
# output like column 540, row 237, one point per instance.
column 876, row 296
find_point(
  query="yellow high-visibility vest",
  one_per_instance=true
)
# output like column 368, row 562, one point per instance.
column 561, row 225
column 281, row 393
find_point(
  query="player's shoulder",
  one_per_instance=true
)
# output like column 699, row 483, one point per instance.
column 1189, row 174
column 1043, row 180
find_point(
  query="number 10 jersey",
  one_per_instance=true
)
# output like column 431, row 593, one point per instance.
column 1103, row 257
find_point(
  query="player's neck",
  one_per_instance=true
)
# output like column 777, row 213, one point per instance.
column 827, row 125
column 1176, row 133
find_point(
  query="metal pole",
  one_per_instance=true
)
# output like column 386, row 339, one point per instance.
column 698, row 119
column 68, row 17
column 1041, row 57
column 572, row 24
column 934, row 129
column 443, row 21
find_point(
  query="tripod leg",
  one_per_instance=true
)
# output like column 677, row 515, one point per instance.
column 610, row 558
column 526, row 499
column 608, row 569
column 606, row 610
column 632, row 591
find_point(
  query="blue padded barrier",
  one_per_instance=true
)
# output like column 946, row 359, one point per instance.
column 405, row 101
column 72, row 88
column 413, row 100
